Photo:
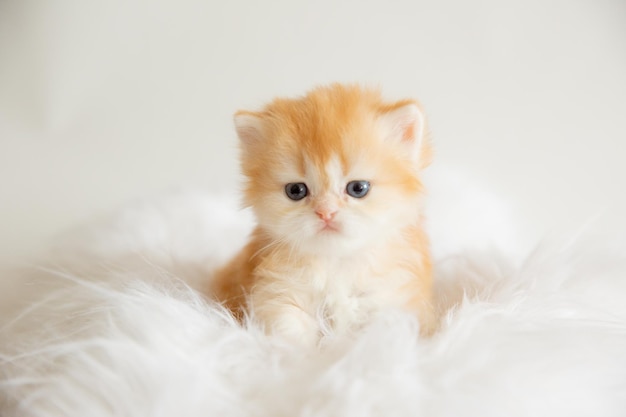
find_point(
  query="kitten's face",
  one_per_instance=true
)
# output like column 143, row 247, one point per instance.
column 335, row 171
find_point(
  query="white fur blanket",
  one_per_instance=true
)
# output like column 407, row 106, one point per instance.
column 113, row 327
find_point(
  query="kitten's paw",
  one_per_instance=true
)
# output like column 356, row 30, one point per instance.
column 294, row 326
column 296, row 330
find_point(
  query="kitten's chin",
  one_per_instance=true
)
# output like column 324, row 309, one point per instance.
column 327, row 246
column 331, row 241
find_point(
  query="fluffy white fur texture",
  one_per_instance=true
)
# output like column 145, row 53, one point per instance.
column 113, row 327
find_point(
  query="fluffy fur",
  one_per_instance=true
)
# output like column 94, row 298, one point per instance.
column 331, row 257
column 113, row 328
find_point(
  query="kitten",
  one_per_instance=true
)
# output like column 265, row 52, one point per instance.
column 333, row 179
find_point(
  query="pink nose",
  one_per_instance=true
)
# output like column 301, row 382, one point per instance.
column 325, row 215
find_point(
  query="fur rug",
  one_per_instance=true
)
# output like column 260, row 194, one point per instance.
column 110, row 325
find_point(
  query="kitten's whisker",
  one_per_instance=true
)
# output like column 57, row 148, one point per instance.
column 269, row 245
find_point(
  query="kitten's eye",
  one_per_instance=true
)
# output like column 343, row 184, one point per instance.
column 358, row 189
column 296, row 190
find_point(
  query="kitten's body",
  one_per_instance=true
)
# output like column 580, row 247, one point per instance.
column 341, row 252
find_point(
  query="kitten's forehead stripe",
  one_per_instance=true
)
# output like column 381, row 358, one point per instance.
column 332, row 174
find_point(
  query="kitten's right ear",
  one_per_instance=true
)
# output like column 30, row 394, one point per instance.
column 404, row 123
column 249, row 126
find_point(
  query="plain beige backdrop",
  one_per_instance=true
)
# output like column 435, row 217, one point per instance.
column 102, row 102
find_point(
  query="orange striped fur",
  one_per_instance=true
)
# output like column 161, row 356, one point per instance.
column 331, row 257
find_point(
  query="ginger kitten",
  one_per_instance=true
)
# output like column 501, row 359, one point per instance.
column 333, row 179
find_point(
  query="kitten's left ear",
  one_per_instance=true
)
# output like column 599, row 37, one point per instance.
column 250, row 129
column 249, row 126
column 404, row 123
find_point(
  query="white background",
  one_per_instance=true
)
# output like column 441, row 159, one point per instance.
column 105, row 101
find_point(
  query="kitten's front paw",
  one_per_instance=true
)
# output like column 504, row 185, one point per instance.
column 292, row 324
column 296, row 331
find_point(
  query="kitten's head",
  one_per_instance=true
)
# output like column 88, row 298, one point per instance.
column 335, row 170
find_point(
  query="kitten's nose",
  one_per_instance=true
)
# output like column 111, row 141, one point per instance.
column 325, row 214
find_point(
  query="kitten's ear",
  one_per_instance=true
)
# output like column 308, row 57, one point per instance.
column 249, row 126
column 405, row 123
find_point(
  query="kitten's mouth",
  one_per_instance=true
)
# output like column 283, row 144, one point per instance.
column 329, row 228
